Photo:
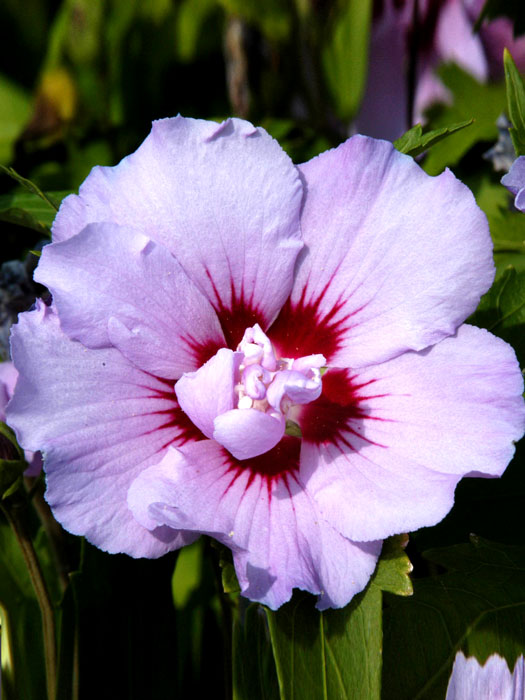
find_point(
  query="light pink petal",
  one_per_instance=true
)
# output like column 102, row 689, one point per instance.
column 223, row 198
column 491, row 681
column 247, row 432
column 514, row 180
column 210, row 390
column 414, row 426
column 395, row 259
column 99, row 422
column 114, row 286
column 278, row 538
column 456, row 42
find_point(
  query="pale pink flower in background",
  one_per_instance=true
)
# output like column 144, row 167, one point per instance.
column 491, row 681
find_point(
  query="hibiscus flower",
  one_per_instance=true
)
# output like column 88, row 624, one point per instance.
column 268, row 354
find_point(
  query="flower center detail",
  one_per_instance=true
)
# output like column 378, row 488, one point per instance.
column 244, row 399
column 274, row 385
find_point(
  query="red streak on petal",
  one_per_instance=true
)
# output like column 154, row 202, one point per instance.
column 302, row 328
column 338, row 412
column 202, row 352
column 237, row 315
column 277, row 464
column 175, row 418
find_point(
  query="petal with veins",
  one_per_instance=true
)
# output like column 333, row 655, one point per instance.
column 278, row 537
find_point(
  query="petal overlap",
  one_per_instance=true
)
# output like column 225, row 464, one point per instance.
column 113, row 286
column 223, row 198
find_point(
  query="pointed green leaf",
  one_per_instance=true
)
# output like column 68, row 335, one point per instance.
column 515, row 103
column 29, row 210
column 478, row 606
column 30, row 187
column 414, row 141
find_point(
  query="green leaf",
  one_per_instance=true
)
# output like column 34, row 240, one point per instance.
column 187, row 574
column 337, row 653
column 254, row 674
column 30, row 187
column 394, row 567
column 502, row 310
column 515, row 103
column 29, row 210
column 478, row 606
column 470, row 100
column 15, row 109
column 330, row 654
column 414, row 141
column 345, row 55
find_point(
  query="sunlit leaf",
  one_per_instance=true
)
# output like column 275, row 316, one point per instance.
column 187, row 574
column 414, row 141
column 394, row 567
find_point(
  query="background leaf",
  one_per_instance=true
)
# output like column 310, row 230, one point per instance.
column 478, row 606
column 345, row 55
column 515, row 103
column 15, row 107
column 502, row 310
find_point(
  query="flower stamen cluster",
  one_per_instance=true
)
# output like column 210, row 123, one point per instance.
column 274, row 385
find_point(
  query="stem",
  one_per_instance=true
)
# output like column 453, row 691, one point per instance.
column 17, row 523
